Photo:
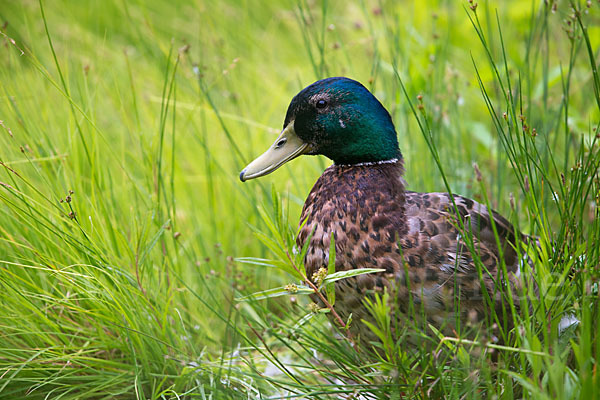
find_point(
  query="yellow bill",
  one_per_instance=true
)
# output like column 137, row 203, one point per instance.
column 286, row 147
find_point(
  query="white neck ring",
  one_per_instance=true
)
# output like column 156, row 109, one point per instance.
column 362, row 164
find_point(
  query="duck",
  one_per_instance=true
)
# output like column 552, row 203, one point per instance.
column 442, row 259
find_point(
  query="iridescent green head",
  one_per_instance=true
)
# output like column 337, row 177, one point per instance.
column 336, row 117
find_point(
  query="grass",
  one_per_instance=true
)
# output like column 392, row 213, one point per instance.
column 123, row 225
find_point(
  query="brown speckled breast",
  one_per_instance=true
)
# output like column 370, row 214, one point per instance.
column 412, row 236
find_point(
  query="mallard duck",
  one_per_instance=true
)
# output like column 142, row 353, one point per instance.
column 417, row 239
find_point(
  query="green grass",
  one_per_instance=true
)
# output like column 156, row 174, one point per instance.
column 147, row 111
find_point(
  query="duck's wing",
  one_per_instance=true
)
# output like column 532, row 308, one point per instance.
column 442, row 259
column 432, row 217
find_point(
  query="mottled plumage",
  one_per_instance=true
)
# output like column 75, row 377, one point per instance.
column 377, row 224
column 415, row 237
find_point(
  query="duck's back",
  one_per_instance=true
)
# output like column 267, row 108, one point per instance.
column 415, row 237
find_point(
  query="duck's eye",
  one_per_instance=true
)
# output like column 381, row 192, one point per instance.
column 321, row 104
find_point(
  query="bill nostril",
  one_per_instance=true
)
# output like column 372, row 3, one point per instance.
column 280, row 143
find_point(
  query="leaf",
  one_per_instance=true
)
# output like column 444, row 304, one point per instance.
column 349, row 321
column 330, row 287
column 265, row 262
column 439, row 335
column 306, row 243
column 267, row 241
column 350, row 273
column 302, row 254
column 275, row 292
column 271, row 225
column 153, row 242
column 378, row 332
column 276, row 205
column 303, row 320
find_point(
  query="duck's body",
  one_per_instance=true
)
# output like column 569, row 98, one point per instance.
column 414, row 237
column 418, row 239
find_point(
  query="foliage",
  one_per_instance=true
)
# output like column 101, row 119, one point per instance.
column 126, row 238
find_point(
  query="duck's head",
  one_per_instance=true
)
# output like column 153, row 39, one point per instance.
column 336, row 117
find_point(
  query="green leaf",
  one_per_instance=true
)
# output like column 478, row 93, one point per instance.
column 330, row 287
column 350, row 273
column 380, row 334
column 349, row 321
column 303, row 320
column 307, row 243
column 265, row 262
column 276, row 202
column 153, row 242
column 267, row 241
column 275, row 292
column 271, row 225
column 271, row 244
